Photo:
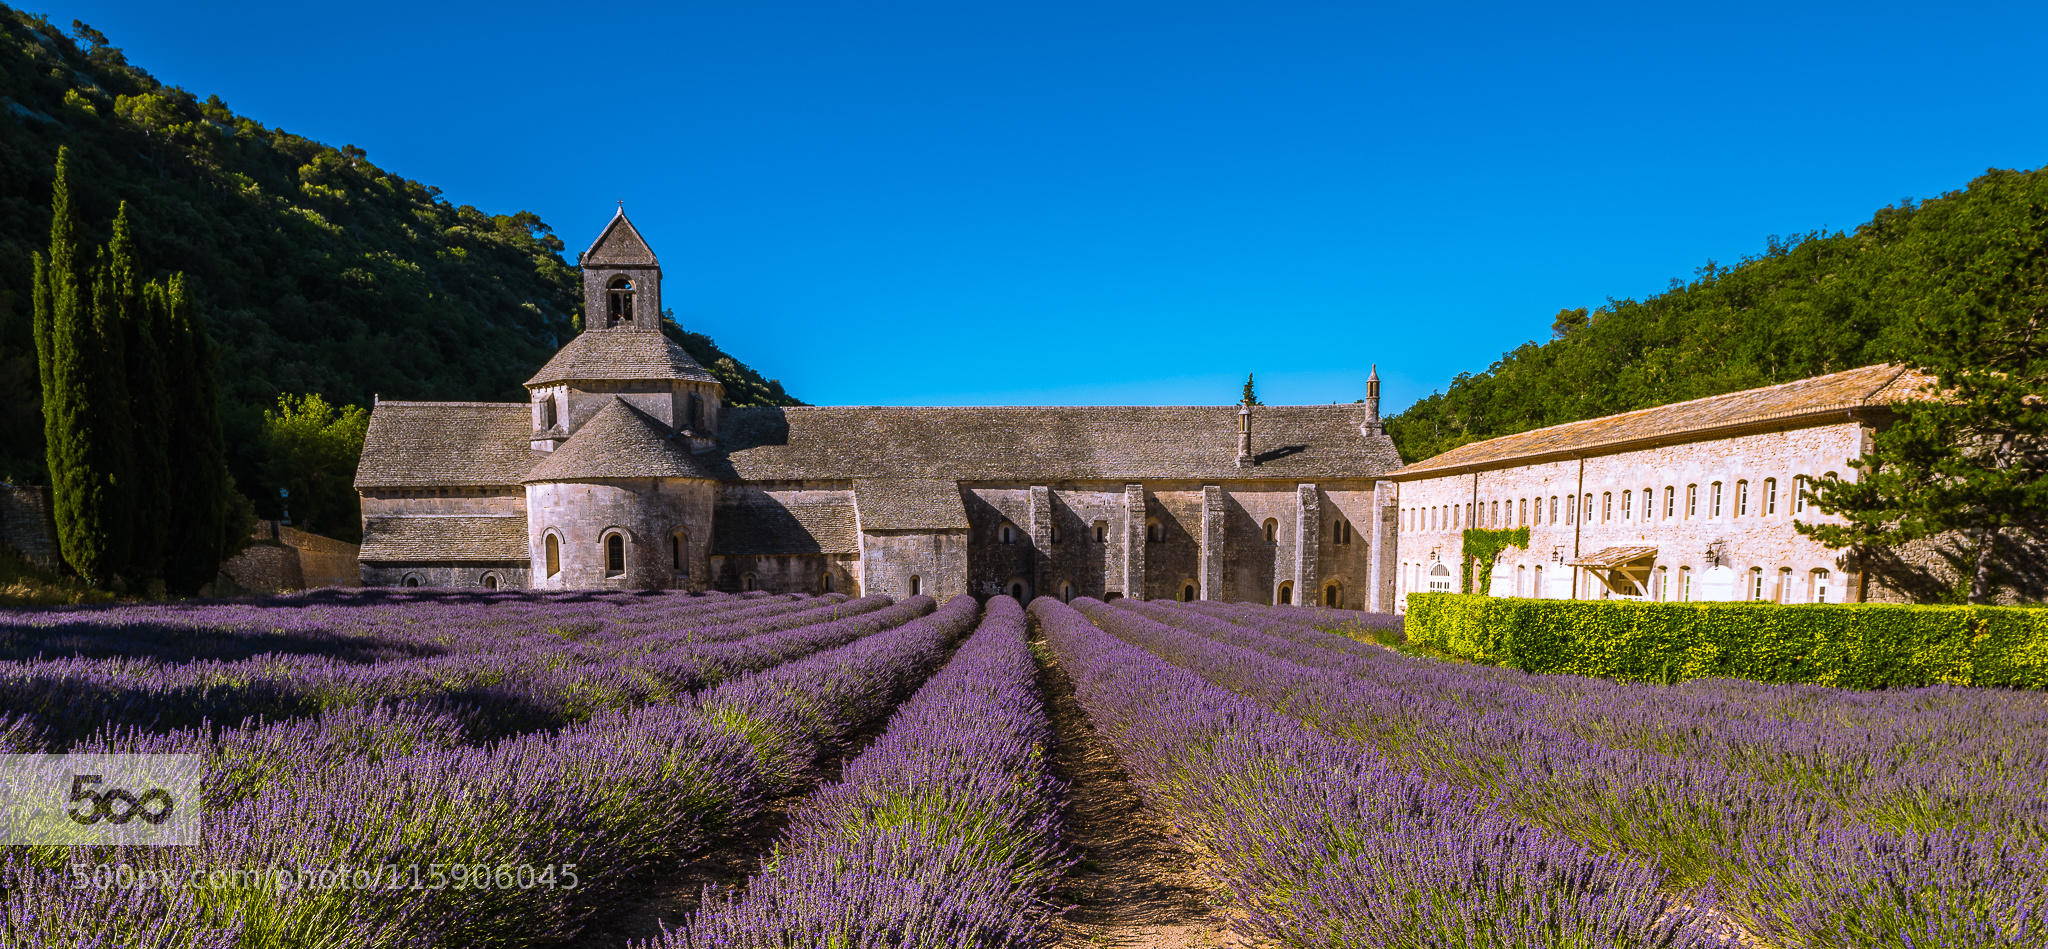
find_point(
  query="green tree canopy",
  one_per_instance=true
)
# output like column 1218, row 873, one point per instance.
column 313, row 446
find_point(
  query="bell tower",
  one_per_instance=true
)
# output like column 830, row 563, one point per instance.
column 621, row 281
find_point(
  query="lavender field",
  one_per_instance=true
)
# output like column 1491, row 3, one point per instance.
column 533, row 770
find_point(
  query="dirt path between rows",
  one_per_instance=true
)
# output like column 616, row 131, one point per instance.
column 1133, row 887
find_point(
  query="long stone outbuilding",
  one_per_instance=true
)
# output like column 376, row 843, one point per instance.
column 1691, row 501
column 625, row 469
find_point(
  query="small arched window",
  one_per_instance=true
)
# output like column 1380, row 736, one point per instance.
column 828, row 580
column 1770, row 496
column 747, row 583
column 1685, row 584
column 1333, row 594
column 1798, row 494
column 1342, row 532
column 1154, row 531
column 1606, row 506
column 916, row 585
column 618, row 296
column 1756, row 583
column 412, row 579
column 1536, row 588
column 1102, row 532
column 554, row 554
column 1286, row 596
column 1523, row 519
column 1626, row 504
column 490, row 581
column 1742, row 499
column 1661, row 590
column 614, row 554
column 1053, row 533
column 1272, row 531
column 1714, row 499
column 1820, row 585
column 1007, row 534
column 1670, row 502
column 679, row 553
column 1784, row 594
column 1692, row 500
column 1187, row 592
column 1066, row 593
column 1018, row 592
column 1522, row 580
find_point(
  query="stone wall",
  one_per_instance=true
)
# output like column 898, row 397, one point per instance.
column 646, row 512
column 938, row 559
column 25, row 525
column 787, row 573
column 506, row 576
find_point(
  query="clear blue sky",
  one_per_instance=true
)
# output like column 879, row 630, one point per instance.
column 1088, row 202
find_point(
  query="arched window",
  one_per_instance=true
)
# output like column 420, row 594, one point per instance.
column 1342, row 532
column 1523, row 520
column 1440, row 579
column 614, row 554
column 1770, row 496
column 1272, row 531
column 1670, row 502
column 1756, row 583
column 553, row 543
column 1626, row 504
column 1536, row 516
column 618, row 301
column 1536, row 587
column 1493, row 518
column 1714, row 500
column 747, row 583
column 1007, row 534
column 1684, row 584
column 1054, row 533
column 1820, row 585
column 1101, row 532
column 1784, row 585
column 1692, row 500
column 412, row 579
column 1662, row 589
column 490, row 581
column 1154, row 531
column 1333, row 594
column 1017, row 591
column 1286, row 596
column 678, row 546
column 1606, row 506
column 1741, row 499
column 1066, row 592
column 1586, row 508
column 1571, row 510
column 1798, row 494
column 916, row 585
column 1187, row 592
column 1522, row 580
column 828, row 580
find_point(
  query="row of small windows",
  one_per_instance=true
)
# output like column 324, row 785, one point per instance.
column 614, row 545
column 1758, row 586
column 1525, row 512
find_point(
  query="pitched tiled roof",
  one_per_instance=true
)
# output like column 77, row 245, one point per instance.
column 619, row 243
column 1836, row 394
column 619, row 441
column 446, row 444
column 445, row 537
column 764, row 526
column 1048, row 444
column 904, row 504
column 598, row 355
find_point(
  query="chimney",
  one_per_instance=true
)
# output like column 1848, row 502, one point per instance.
column 1244, row 434
column 1372, row 403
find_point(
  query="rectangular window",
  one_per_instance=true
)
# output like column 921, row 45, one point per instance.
column 1692, row 500
column 1606, row 506
column 1625, row 504
column 1569, row 510
column 1714, row 500
column 1770, row 496
column 1799, row 495
column 1553, row 509
column 1670, row 501
column 1741, row 499
column 1523, row 521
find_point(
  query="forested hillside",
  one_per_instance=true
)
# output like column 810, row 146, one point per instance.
column 1807, row 305
column 314, row 270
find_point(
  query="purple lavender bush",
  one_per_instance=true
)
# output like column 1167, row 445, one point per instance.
column 942, row 833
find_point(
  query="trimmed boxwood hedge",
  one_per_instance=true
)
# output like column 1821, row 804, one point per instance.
column 1854, row 645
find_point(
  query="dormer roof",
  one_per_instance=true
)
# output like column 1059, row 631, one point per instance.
column 619, row 243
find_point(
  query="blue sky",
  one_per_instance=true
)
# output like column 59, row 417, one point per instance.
column 1104, row 202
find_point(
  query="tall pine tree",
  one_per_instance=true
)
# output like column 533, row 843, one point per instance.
column 1973, row 461
column 147, row 492
column 201, row 524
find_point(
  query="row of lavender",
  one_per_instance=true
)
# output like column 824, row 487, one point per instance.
column 396, row 786
column 943, row 833
column 1324, row 842
column 504, row 666
column 1812, row 817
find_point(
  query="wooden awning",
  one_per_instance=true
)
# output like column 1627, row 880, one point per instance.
column 1614, row 558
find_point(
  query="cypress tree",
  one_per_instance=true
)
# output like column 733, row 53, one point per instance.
column 196, row 471
column 147, row 495
column 75, row 422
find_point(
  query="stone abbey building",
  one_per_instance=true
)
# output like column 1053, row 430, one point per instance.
column 625, row 469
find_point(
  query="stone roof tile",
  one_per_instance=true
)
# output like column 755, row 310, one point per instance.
column 598, row 355
column 904, row 504
column 765, row 526
column 1845, row 393
column 1042, row 444
column 619, row 441
column 445, row 537
column 447, row 444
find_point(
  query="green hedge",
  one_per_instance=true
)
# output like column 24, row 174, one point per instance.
column 1854, row 645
